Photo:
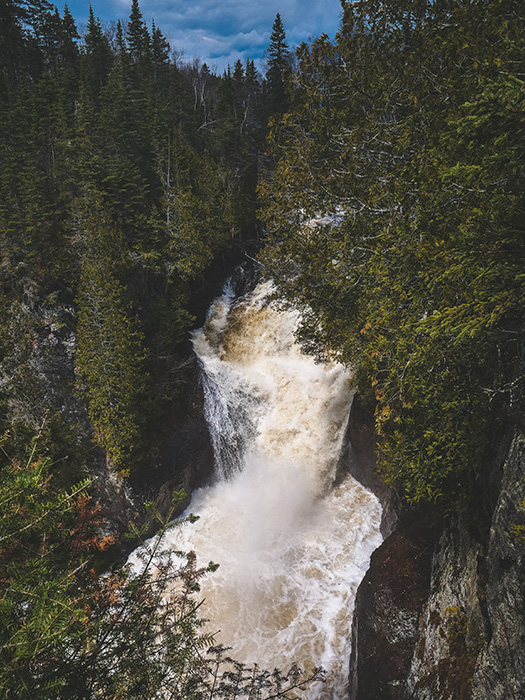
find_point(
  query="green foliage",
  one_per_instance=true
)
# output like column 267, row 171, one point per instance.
column 138, row 38
column 110, row 355
column 200, row 221
column 171, row 152
column 97, row 57
column 395, row 221
column 37, row 611
column 125, row 176
column 69, row 632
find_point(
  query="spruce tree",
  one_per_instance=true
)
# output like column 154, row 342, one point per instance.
column 137, row 35
column 250, row 73
column 238, row 71
column 70, row 36
column 110, row 354
column 119, row 38
column 160, row 47
column 69, row 53
column 160, row 58
column 97, row 59
column 279, row 70
column 21, row 28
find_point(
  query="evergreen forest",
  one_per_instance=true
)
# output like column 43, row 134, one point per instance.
column 395, row 220
column 378, row 177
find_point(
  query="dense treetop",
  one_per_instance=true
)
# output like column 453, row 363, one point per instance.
column 124, row 174
column 395, row 219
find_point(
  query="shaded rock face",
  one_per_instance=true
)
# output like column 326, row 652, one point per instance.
column 451, row 631
column 472, row 633
column 388, row 608
column 112, row 494
column 186, row 460
column 441, row 615
column 185, row 463
column 500, row 667
column 359, row 459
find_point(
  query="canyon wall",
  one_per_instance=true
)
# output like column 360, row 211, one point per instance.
column 441, row 611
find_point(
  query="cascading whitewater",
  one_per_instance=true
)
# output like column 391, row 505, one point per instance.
column 292, row 537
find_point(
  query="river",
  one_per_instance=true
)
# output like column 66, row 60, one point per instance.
column 293, row 537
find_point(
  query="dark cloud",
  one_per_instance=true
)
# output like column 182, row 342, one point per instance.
column 220, row 31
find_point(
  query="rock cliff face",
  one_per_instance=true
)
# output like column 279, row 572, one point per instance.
column 187, row 459
column 500, row 667
column 441, row 612
column 388, row 609
column 472, row 631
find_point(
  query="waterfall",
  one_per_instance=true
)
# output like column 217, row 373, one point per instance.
column 293, row 538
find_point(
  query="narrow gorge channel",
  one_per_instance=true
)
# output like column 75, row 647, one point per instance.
column 293, row 536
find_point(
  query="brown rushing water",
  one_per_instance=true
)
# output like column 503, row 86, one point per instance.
column 292, row 544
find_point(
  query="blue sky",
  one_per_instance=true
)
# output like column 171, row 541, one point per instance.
column 221, row 31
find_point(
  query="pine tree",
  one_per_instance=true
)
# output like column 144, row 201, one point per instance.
column 110, row 355
column 279, row 70
column 97, row 59
column 137, row 35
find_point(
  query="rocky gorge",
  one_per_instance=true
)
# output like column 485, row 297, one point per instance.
column 440, row 613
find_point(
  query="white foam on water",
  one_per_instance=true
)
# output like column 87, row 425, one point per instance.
column 293, row 541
